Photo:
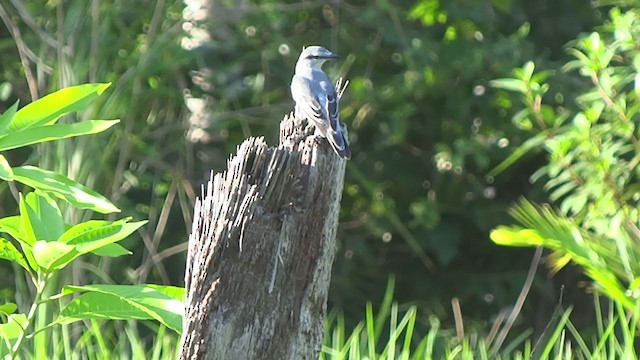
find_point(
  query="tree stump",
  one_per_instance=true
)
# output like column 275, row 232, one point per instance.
column 261, row 251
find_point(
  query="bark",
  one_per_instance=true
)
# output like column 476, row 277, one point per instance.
column 261, row 250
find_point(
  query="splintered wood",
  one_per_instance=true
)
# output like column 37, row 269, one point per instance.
column 261, row 250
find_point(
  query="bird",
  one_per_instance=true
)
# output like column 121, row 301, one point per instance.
column 316, row 98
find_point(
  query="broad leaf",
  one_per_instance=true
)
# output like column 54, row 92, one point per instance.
column 53, row 255
column 44, row 216
column 39, row 134
column 162, row 303
column 61, row 186
column 27, row 230
column 10, row 331
column 13, row 328
column 6, row 118
column 95, row 305
column 9, row 252
column 50, row 108
column 112, row 250
column 79, row 229
column 11, row 226
column 6, row 173
column 8, row 308
column 93, row 235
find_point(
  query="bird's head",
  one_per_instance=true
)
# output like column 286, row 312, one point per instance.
column 315, row 56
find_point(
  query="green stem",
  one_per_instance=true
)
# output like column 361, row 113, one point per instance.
column 40, row 284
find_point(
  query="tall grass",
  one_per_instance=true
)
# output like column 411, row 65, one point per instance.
column 397, row 332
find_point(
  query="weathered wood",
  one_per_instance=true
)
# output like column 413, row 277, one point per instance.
column 261, row 251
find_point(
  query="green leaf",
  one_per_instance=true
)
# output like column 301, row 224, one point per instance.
column 6, row 173
column 5, row 119
column 112, row 250
column 510, row 84
column 521, row 119
column 92, row 235
column 593, row 43
column 522, row 150
column 13, row 328
column 27, row 231
column 11, row 226
column 44, row 216
column 64, row 188
column 50, row 108
column 95, row 305
column 611, row 286
column 8, row 308
column 174, row 292
column 95, row 236
column 582, row 61
column 516, row 236
column 119, row 302
column 84, row 227
column 39, row 134
column 53, row 255
column 527, row 71
column 9, row 252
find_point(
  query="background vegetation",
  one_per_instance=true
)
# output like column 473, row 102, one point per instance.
column 427, row 128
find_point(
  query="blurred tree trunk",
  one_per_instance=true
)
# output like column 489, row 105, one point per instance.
column 261, row 251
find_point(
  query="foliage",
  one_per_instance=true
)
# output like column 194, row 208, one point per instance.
column 593, row 153
column 406, row 339
column 47, row 244
column 424, row 125
column 144, row 165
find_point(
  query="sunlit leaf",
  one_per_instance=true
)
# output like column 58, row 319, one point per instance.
column 11, row 226
column 50, row 108
column 13, row 328
column 90, row 238
column 7, row 116
column 9, row 252
column 527, row 71
column 39, row 134
column 510, row 84
column 45, row 219
column 6, row 173
column 61, row 186
column 514, row 236
column 96, row 305
column 162, row 303
column 53, row 255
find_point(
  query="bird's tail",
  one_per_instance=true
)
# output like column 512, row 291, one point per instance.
column 340, row 143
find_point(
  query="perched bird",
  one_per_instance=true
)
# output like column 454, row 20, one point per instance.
column 316, row 98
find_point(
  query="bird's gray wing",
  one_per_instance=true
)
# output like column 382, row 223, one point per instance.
column 330, row 100
column 306, row 101
column 317, row 101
